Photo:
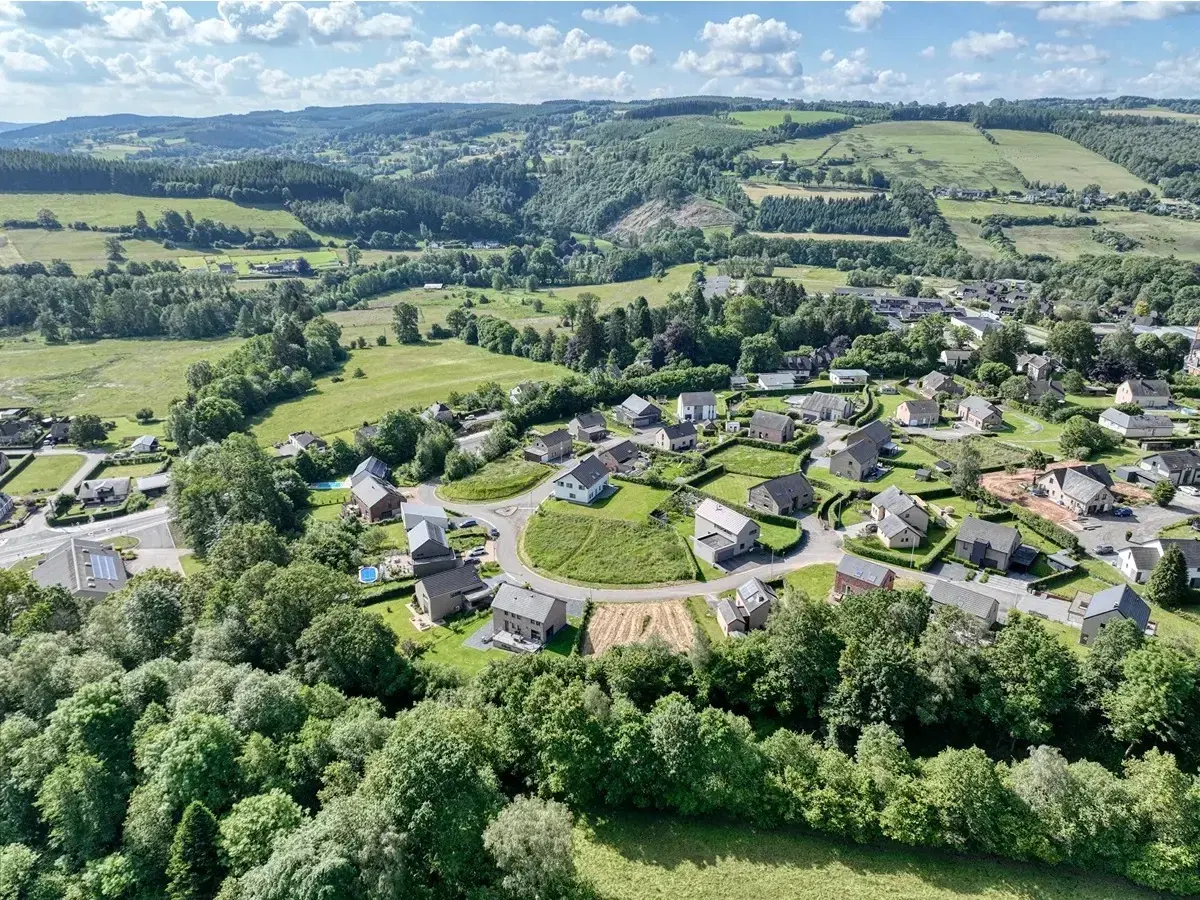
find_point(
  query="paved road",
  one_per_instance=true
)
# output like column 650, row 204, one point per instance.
column 148, row 525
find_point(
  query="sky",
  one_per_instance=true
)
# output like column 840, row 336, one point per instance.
column 60, row 59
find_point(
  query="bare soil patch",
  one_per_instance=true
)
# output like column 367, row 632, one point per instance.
column 612, row 624
column 1012, row 488
column 695, row 212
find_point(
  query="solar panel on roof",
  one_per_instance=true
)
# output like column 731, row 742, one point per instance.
column 104, row 567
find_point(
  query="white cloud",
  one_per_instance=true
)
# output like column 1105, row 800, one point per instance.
column 1067, row 53
column 865, row 14
column 963, row 82
column 750, row 33
column 828, row 56
column 1169, row 46
column 747, row 46
column 1174, row 77
column 641, row 55
column 929, row 52
column 153, row 20
column 1072, row 81
column 724, row 62
column 853, row 76
column 986, row 45
column 619, row 15
column 541, row 36
column 288, row 23
column 1113, row 12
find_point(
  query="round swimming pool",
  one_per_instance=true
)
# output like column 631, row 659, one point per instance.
column 368, row 574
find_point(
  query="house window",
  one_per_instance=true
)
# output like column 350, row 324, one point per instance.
column 535, row 635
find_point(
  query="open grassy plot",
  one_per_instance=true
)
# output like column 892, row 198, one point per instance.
column 131, row 470
column 704, row 617
column 108, row 377
column 766, row 118
column 746, row 460
column 502, row 478
column 931, row 152
column 816, row 581
column 805, row 150
column 444, row 643
column 816, row 279
column 631, row 502
column 731, row 486
column 1153, row 112
column 823, row 236
column 1158, row 235
column 607, row 551
column 396, row 376
column 121, row 209
column 242, row 264
column 614, row 624
column 83, row 250
column 1041, row 156
column 44, row 474
column 650, row 857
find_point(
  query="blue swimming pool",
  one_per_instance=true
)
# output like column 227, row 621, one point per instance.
column 329, row 485
column 368, row 574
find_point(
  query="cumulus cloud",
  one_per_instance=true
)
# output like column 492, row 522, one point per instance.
column 750, row 33
column 1067, row 53
column 53, row 15
column 854, row 76
column 289, row 23
column 541, row 36
column 1173, row 77
column 1113, row 12
column 618, row 14
column 641, row 55
column 865, row 14
column 986, row 44
column 1071, row 81
column 828, row 56
column 929, row 52
column 747, row 46
column 151, row 21
column 963, row 82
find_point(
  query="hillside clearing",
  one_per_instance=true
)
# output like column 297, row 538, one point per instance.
column 767, row 118
column 1050, row 158
column 695, row 212
column 121, row 209
column 756, row 190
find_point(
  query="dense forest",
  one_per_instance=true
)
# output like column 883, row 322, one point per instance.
column 870, row 215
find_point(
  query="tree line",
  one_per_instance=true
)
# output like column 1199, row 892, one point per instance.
column 875, row 215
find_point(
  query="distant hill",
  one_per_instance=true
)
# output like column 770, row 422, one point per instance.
column 12, row 126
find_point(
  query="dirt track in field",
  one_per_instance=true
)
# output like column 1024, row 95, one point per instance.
column 612, row 624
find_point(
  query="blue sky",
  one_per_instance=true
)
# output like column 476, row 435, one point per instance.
column 90, row 58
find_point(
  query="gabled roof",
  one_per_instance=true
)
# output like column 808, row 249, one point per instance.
column 372, row 465
column 591, row 420
column 1124, row 420
column 426, row 532
column 1076, row 482
column 721, row 516
column 818, row 401
column 958, row 355
column 892, row 525
column 876, row 432
column 947, row 593
column 371, row 490
column 726, row 614
column 849, row 373
column 754, row 593
column 621, row 451
column 1143, row 558
column 1177, row 460
column 864, row 570
column 894, row 500
column 698, row 398
column 1120, row 598
column 769, row 420
column 423, row 510
column 1189, row 547
column 995, row 535
column 683, row 429
column 638, row 406
column 937, row 380
column 304, row 438
column 785, row 488
column 1147, row 387
column 589, row 471
column 863, row 452
column 523, row 602
column 99, row 487
column 556, row 438
column 80, row 565
column 979, row 406
column 144, row 444
column 776, row 379
column 921, row 408
column 460, row 580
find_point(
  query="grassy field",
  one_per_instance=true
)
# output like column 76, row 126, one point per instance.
column 816, row 279
column 108, row 377
column 604, row 550
column 121, row 209
column 630, row 503
column 1153, row 111
column 815, row 580
column 731, row 486
column 44, row 474
column 444, row 643
column 1041, row 156
column 318, row 259
column 397, row 376
column 505, row 477
column 755, row 461
column 756, row 190
column 650, row 857
column 766, row 118
column 821, row 236
column 804, row 151
column 131, row 470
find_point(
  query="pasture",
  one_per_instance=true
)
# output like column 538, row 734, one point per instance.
column 821, row 236
column 396, row 376
column 766, row 118
column 803, row 151
column 1050, row 158
column 756, row 190
column 242, row 264
column 1150, row 112
column 646, row 857
column 121, row 209
column 43, row 475
column 110, row 378
column 82, row 250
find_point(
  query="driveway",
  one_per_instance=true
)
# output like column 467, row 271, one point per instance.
column 1145, row 523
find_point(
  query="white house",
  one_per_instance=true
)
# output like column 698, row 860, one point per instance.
column 848, row 376
column 1128, row 426
column 584, row 483
column 696, row 406
column 1137, row 561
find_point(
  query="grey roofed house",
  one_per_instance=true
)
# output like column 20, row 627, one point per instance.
column 1123, row 422
column 824, row 406
column 147, row 443
column 936, row 382
column 103, row 490
column 84, row 568
column 728, row 618
column 722, row 516
column 986, row 543
column 552, row 446
column 1148, row 387
column 427, row 538
column 151, row 484
column 637, row 411
column 1117, row 601
column 4, row 464
column 863, row 570
column 978, row 405
column 412, row 513
column 772, row 381
column 754, row 593
column 698, row 398
column 523, row 620
column 1039, row 389
column 375, row 498
column 448, row 591
column 619, row 455
column 588, row 426
column 922, row 409
column 771, row 421
column 865, row 452
column 523, row 602
column 892, row 525
column 945, row 593
column 876, row 432
column 303, row 440
column 372, row 465
column 783, row 494
column 894, row 500
column 589, row 471
column 1076, row 483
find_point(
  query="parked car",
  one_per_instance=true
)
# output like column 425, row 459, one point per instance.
column 467, row 523
column 1104, row 549
column 1190, row 490
column 1122, row 512
column 493, row 533
column 478, row 551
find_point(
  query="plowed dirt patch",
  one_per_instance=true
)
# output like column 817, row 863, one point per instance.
column 612, row 624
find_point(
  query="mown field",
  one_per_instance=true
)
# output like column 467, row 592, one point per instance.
column 766, row 118
column 1050, row 158
column 44, row 474
column 653, row 858
column 107, row 377
column 805, row 150
column 756, row 190
column 121, row 209
column 1153, row 112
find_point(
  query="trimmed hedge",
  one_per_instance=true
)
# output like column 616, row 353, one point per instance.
column 22, row 461
column 921, row 563
column 581, row 635
column 400, row 588
column 769, row 518
column 871, row 411
column 1056, row 534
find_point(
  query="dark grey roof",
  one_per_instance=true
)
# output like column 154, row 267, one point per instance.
column 1188, row 546
column 937, row 381
column 786, row 487
column 372, row 465
column 698, row 398
column 156, row 482
column 863, row 570
column 946, row 593
column 894, row 500
column 461, row 580
column 1148, row 387
column 589, row 471
column 1124, row 420
column 921, row 408
column 621, row 451
column 877, row 432
column 370, row 490
column 1076, row 482
column 770, row 420
column 1120, row 598
column 80, row 566
column 523, row 602
column 864, row 452
column 819, row 401
column 979, row 406
column 591, row 420
column 726, row 613
column 1176, row 460
column 995, row 535
column 104, row 488
column 304, row 439
column 683, row 429
column 1143, row 558
column 893, row 525
column 556, row 438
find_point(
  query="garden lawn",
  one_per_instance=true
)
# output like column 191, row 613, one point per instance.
column 444, row 643
column 592, row 550
column 776, row 537
column 648, row 857
column 130, row 470
column 397, row 376
column 730, row 486
column 631, row 503
column 504, row 477
column 703, row 616
column 44, row 474
column 746, row 460
column 816, row 580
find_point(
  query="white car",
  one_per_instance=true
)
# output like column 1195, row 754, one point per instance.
column 1190, row 490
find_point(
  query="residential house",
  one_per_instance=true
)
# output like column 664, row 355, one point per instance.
column 721, row 533
column 588, row 427
column 1176, row 466
column 878, row 433
column 848, row 376
column 1036, row 366
column 150, row 485
column 980, row 413
column 776, row 381
column 1137, row 561
column 584, row 483
column 524, row 620
column 1148, row 393
column 147, row 443
column 103, row 491
column 985, row 543
column 775, row 428
column 619, row 456
column 429, row 550
column 936, row 383
column 88, row 570
column 550, row 447
column 58, row 432
column 454, row 590
column 918, row 413
column 954, row 360
column 439, row 412
column 413, row 514
column 696, row 406
column 375, row 499
column 637, row 412
column 6, row 507
column 896, row 534
column 973, row 603
column 856, row 461
column 524, row 392
column 977, row 325
column 1117, row 602
column 371, row 467
column 678, row 438
column 1039, row 389
column 821, row 407
column 748, row 609
column 854, row 575
column 366, row 434
column 782, row 496
column 14, row 433
column 1136, row 427
column 305, row 441
column 1079, row 489
column 738, row 382
column 895, row 502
